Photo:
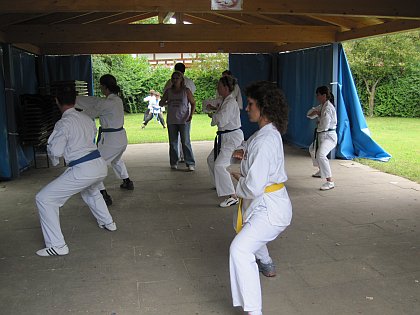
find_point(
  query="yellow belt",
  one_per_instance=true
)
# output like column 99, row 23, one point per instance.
column 268, row 189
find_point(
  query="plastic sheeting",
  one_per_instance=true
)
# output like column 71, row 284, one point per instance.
column 5, row 171
column 354, row 139
column 69, row 68
column 56, row 68
column 299, row 73
column 258, row 67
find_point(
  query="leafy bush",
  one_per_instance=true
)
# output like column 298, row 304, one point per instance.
column 137, row 77
column 399, row 98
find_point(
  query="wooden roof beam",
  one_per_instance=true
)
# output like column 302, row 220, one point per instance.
column 380, row 29
column 157, row 47
column 169, row 33
column 379, row 8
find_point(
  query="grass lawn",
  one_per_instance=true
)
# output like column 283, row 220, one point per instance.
column 400, row 137
column 154, row 132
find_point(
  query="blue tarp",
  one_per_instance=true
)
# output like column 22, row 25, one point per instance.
column 299, row 73
column 258, row 67
column 354, row 139
column 57, row 68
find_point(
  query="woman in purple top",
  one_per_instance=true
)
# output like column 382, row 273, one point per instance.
column 177, row 98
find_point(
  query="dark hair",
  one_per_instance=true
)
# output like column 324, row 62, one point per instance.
column 228, row 81
column 325, row 90
column 109, row 81
column 66, row 96
column 227, row 72
column 271, row 103
column 179, row 67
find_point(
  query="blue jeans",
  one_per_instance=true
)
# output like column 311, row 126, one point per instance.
column 184, row 131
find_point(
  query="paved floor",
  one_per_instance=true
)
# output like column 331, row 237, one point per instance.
column 352, row 250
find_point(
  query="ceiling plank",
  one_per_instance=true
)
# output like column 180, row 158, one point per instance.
column 137, row 48
column 134, row 18
column 379, row 8
column 347, row 23
column 29, row 48
column 10, row 19
column 169, row 33
column 381, row 29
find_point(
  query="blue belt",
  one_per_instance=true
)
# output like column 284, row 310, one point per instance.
column 106, row 130
column 218, row 141
column 91, row 156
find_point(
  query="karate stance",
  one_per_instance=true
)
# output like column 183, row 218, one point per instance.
column 325, row 135
column 112, row 138
column 229, row 137
column 265, row 209
column 73, row 138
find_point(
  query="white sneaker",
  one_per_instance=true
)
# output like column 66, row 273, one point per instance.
column 317, row 174
column 174, row 167
column 327, row 186
column 53, row 251
column 109, row 227
column 231, row 201
column 191, row 168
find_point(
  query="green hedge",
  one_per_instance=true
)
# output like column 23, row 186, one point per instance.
column 397, row 97
column 136, row 77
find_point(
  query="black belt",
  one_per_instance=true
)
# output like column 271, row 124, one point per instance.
column 106, row 130
column 88, row 157
column 316, row 142
column 218, row 141
column 331, row 129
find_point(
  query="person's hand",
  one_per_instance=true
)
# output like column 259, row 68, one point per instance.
column 236, row 175
column 211, row 107
column 238, row 154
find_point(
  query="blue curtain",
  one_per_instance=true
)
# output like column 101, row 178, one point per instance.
column 258, row 67
column 69, row 68
column 354, row 139
column 56, row 68
column 300, row 73
column 5, row 171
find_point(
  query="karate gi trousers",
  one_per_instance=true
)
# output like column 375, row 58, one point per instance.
column 84, row 178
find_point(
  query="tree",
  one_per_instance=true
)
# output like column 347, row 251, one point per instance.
column 380, row 59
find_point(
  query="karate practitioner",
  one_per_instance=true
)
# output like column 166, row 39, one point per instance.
column 229, row 137
column 325, row 135
column 237, row 94
column 265, row 207
column 112, row 138
column 151, row 101
column 73, row 138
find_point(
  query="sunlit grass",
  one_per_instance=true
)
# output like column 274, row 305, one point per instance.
column 400, row 137
column 154, row 132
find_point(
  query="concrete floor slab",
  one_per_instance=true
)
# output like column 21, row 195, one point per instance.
column 352, row 250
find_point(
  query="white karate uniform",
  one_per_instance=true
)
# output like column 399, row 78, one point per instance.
column 151, row 99
column 327, row 140
column 73, row 137
column 265, row 215
column 110, row 111
column 227, row 117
